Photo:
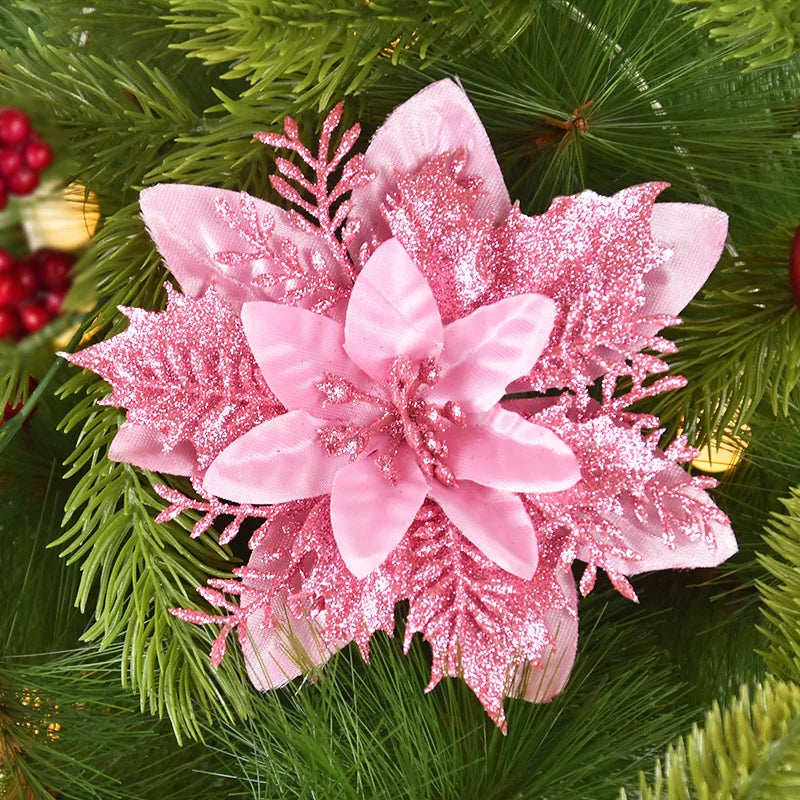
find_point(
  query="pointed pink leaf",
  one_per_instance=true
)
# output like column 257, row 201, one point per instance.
column 507, row 452
column 391, row 313
column 484, row 352
column 437, row 120
column 369, row 515
column 275, row 462
column 494, row 521
column 295, row 350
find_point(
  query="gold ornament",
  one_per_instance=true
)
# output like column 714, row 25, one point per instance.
column 723, row 457
column 60, row 218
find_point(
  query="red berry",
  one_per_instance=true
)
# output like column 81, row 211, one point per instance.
column 794, row 266
column 34, row 317
column 23, row 181
column 38, row 155
column 26, row 279
column 9, row 323
column 10, row 160
column 10, row 290
column 53, row 301
column 6, row 262
column 14, row 126
column 54, row 266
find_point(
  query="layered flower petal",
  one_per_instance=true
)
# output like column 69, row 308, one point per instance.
column 278, row 644
column 437, row 120
column 392, row 313
column 143, row 447
column 275, row 462
column 696, row 235
column 370, row 516
column 541, row 681
column 276, row 655
column 487, row 350
column 654, row 552
column 494, row 521
column 191, row 250
column 507, row 452
column 295, row 349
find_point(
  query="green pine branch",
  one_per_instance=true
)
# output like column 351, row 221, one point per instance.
column 655, row 101
column 738, row 345
column 314, row 54
column 371, row 731
column 761, row 32
column 780, row 594
column 68, row 729
column 133, row 571
column 749, row 751
column 117, row 116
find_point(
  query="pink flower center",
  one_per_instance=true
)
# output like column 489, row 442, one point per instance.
column 406, row 417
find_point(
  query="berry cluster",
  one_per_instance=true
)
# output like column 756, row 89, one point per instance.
column 23, row 155
column 32, row 290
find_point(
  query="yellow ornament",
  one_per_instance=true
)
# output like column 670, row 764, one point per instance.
column 60, row 218
column 721, row 458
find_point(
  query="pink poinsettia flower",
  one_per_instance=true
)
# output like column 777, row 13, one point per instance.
column 392, row 407
column 345, row 366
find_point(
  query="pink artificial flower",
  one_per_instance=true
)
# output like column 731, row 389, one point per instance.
column 393, row 407
column 346, row 366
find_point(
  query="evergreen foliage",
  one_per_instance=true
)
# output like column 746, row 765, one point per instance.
column 762, row 32
column 173, row 90
column 318, row 53
column 370, row 731
column 737, row 344
column 782, row 589
column 747, row 752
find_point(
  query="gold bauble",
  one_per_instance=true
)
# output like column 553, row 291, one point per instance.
column 60, row 218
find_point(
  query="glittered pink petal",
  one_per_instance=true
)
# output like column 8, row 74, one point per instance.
column 494, row 521
column 275, row 462
column 392, row 313
column 490, row 348
column 541, row 682
column 370, row 516
column 437, row 120
column 696, row 235
column 144, row 447
column 295, row 349
column 190, row 232
column 507, row 452
column 646, row 538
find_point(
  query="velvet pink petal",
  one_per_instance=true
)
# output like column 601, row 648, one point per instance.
column 696, row 235
column 190, row 248
column 646, row 538
column 278, row 645
column 143, row 447
column 505, row 451
column 487, row 350
column 542, row 681
column 275, row 656
column 392, row 313
column 275, row 462
column 494, row 521
column 369, row 516
column 437, row 120
column 295, row 349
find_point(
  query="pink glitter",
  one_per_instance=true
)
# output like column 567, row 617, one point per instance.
column 428, row 190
